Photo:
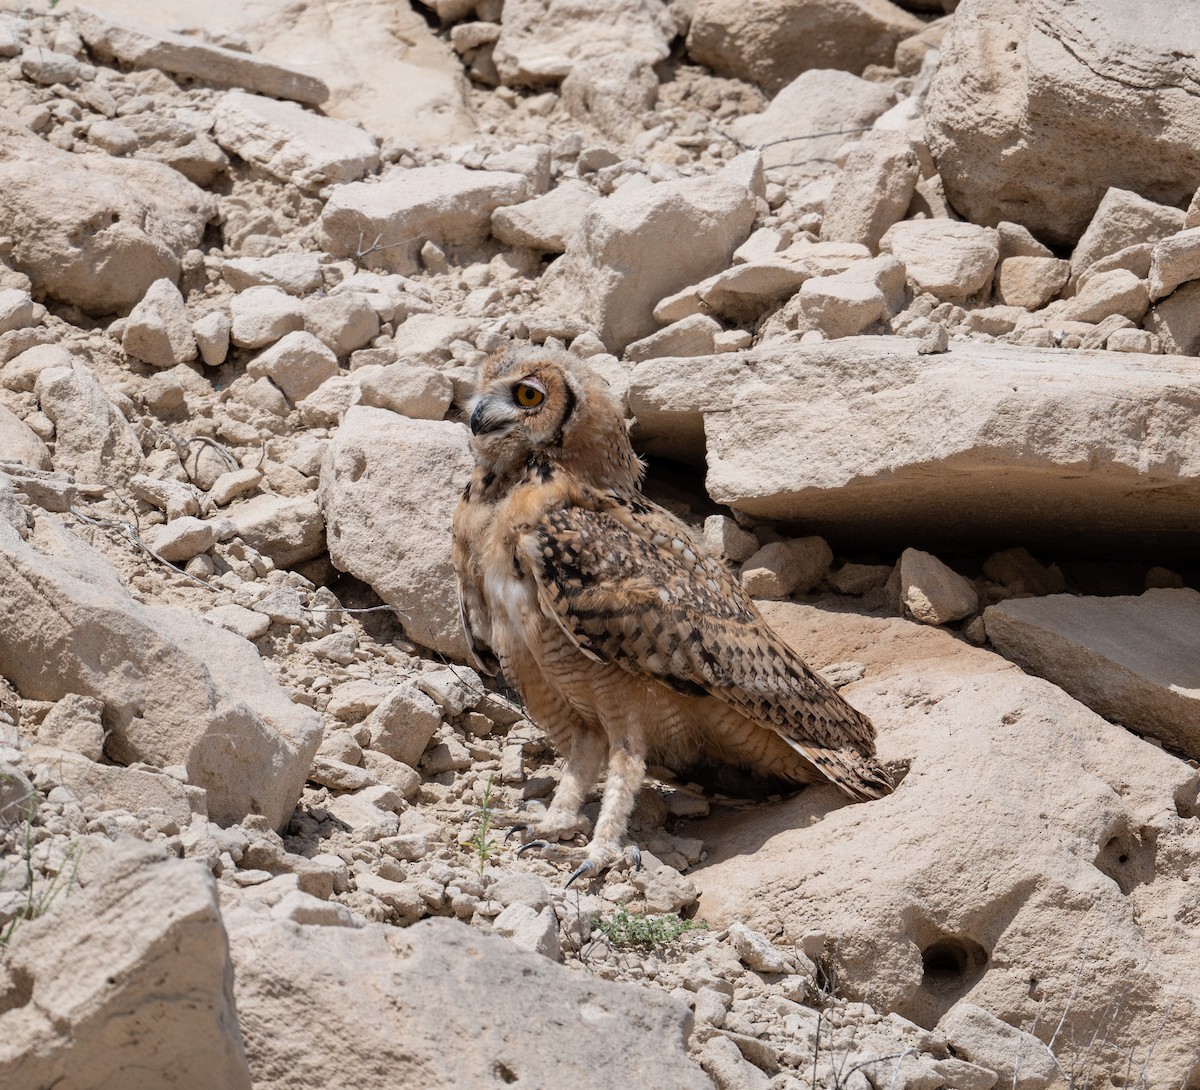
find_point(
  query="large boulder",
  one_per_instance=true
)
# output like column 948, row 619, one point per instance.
column 1131, row 658
column 647, row 241
column 1033, row 860
column 176, row 690
column 389, row 486
column 869, row 441
column 126, row 982
column 394, row 999
column 772, row 41
column 1040, row 107
column 94, row 230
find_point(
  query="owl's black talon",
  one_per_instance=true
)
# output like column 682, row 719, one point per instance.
column 636, row 854
column 515, row 829
column 586, row 867
column 531, row 844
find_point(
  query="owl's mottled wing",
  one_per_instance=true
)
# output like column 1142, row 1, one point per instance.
column 630, row 586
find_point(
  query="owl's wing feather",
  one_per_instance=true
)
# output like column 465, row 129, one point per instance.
column 630, row 586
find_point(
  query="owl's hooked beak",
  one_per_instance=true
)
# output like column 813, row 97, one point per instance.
column 485, row 417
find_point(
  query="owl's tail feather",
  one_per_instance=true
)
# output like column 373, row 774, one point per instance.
column 861, row 777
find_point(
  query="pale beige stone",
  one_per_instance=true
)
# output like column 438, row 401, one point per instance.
column 690, row 336
column 1174, row 260
column 932, row 592
column 946, row 258
column 158, row 331
column 873, row 190
column 545, row 223
column 1030, row 282
column 1132, row 659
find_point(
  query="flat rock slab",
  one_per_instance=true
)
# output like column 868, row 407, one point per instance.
column 869, row 441
column 146, row 46
column 418, row 1007
column 1135, row 659
column 127, row 982
column 1031, row 849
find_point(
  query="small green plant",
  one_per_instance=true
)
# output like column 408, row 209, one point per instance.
column 624, row 930
column 481, row 843
column 38, row 899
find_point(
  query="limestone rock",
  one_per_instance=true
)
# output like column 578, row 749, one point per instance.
column 293, row 144
column 447, row 204
column 638, row 228
column 158, row 331
column 20, row 443
column 212, row 337
column 144, row 46
column 127, row 983
column 932, row 592
column 297, row 363
column 948, row 259
column 774, row 41
column 187, row 693
column 93, row 230
column 1027, row 831
column 92, row 439
column 295, row 273
column 1030, row 282
column 724, row 537
column 1033, row 448
column 288, row 529
column 542, row 40
column 1037, row 109
column 1132, row 659
column 262, row 316
column 1175, row 259
column 820, row 100
column 342, row 322
column 873, row 190
column 1175, row 320
column 1122, row 219
column 545, row 223
column 690, row 336
column 389, row 486
column 397, row 995
column 402, row 725
column 420, row 392
column 1018, row 1058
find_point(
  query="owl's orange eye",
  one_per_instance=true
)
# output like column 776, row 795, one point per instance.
column 527, row 395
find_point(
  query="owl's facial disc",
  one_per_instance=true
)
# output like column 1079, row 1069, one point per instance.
column 504, row 405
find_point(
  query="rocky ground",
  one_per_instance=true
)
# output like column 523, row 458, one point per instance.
column 905, row 302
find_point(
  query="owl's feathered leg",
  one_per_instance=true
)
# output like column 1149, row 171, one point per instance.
column 626, row 773
column 581, row 771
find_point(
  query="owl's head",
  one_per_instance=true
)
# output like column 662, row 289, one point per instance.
column 543, row 405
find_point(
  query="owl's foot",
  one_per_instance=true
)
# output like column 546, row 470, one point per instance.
column 602, row 857
column 551, row 827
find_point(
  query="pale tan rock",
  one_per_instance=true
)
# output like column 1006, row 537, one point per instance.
column 288, row 529
column 424, row 984
column 295, row 273
column 1021, row 573
column 1133, row 340
column 298, row 363
column 144, row 46
column 873, row 191
column 724, row 537
column 342, row 322
column 1174, row 260
column 237, row 482
column 1135, row 258
column 52, row 201
column 1030, row 282
column 1036, row 134
column 838, row 308
column 1175, row 320
column 612, row 93
column 1122, row 219
column 412, row 471
column 92, row 439
column 1020, row 1059
column 419, row 392
column 638, row 227
column 774, row 41
column 18, row 310
column 21, row 371
column 158, row 330
column 1117, row 292
column 542, row 40
column 545, row 223
column 145, row 935
column 293, row 144
column 447, row 204
column 261, row 316
column 932, row 592
column 821, row 100
column 928, row 903
column 690, row 336
column 945, row 258
column 182, row 538
column 20, row 443
column 907, row 412
column 186, row 690
column 76, row 724
column 212, row 337
column 1132, row 659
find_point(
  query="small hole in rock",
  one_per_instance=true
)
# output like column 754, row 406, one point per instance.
column 505, row 1073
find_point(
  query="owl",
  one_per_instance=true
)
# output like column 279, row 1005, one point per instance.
column 628, row 642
